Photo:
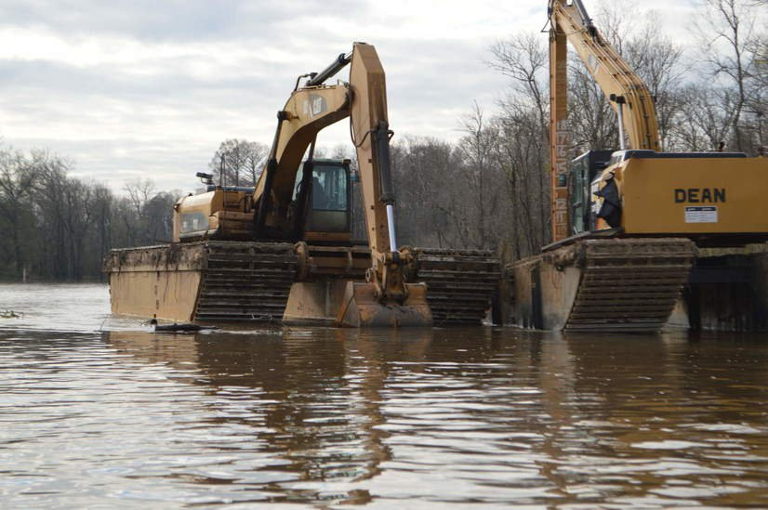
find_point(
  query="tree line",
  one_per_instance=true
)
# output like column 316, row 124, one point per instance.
column 487, row 190
column 59, row 228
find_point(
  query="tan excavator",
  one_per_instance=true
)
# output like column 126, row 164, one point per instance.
column 629, row 225
column 283, row 251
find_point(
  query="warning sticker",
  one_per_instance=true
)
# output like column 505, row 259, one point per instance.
column 703, row 214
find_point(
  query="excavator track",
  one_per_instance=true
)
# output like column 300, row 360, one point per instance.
column 245, row 281
column 460, row 283
column 629, row 284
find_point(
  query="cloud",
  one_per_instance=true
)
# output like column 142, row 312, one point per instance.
column 150, row 89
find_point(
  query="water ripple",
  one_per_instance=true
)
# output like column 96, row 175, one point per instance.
column 320, row 418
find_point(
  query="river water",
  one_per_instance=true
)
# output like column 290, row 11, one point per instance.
column 104, row 414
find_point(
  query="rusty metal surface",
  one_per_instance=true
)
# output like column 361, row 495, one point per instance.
column 165, row 257
column 319, row 262
column 728, row 290
column 460, row 283
column 246, row 281
column 361, row 307
column 629, row 284
column 314, row 303
column 209, row 281
column 159, row 282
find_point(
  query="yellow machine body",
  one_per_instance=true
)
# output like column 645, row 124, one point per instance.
column 215, row 214
column 691, row 196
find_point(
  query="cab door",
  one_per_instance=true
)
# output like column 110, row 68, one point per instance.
column 329, row 202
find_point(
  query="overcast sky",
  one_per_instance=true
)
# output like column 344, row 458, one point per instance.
column 149, row 88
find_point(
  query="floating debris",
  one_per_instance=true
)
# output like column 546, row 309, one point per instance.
column 179, row 328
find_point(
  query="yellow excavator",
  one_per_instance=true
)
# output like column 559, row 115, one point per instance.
column 283, row 251
column 629, row 225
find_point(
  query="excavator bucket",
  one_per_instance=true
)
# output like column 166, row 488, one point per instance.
column 361, row 308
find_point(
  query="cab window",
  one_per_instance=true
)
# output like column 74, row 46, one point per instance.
column 329, row 188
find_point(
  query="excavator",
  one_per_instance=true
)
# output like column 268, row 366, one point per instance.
column 283, row 251
column 638, row 232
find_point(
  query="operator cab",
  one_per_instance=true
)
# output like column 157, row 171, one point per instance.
column 582, row 173
column 328, row 198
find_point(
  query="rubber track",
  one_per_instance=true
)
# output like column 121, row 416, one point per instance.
column 630, row 284
column 246, row 281
column 460, row 283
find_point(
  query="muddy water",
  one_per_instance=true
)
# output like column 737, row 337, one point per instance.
column 103, row 414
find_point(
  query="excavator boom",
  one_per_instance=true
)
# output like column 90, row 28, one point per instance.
column 626, row 91
column 316, row 106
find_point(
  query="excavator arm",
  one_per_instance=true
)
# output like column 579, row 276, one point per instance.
column 313, row 107
column 305, row 114
column 626, row 91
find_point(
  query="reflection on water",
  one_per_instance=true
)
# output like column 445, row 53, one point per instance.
column 320, row 418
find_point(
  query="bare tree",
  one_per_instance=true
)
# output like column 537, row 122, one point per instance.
column 524, row 59
column 431, row 204
column 728, row 30
column 18, row 177
column 523, row 137
column 53, row 212
column 705, row 118
column 240, row 161
column 476, row 147
column 658, row 61
column 139, row 192
column 592, row 121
